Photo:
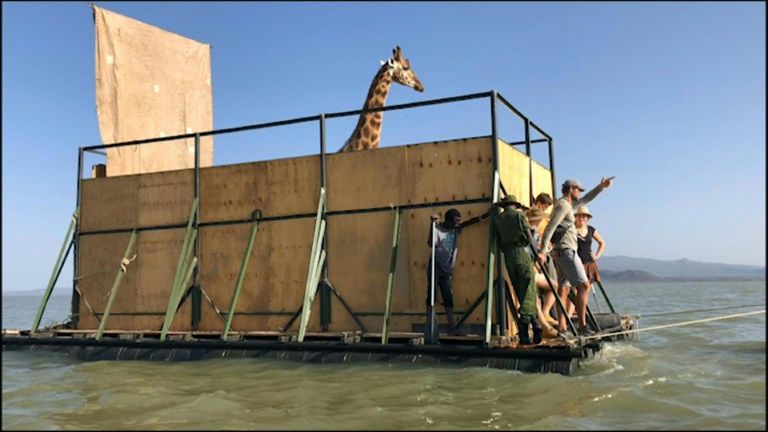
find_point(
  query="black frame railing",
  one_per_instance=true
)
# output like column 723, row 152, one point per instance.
column 493, row 97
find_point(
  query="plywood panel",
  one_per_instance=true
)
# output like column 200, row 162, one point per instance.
column 157, row 256
column 109, row 203
column 359, row 266
column 514, row 172
column 232, row 192
column 447, row 171
column 165, row 198
column 100, row 257
column 291, row 245
column 293, row 185
column 222, row 257
column 360, row 244
column 542, row 182
column 365, row 179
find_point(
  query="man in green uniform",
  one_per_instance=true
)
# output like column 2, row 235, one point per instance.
column 513, row 233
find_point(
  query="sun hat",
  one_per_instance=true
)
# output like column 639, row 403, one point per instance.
column 509, row 200
column 536, row 214
column 583, row 210
column 572, row 183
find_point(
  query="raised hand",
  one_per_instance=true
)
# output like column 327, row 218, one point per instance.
column 606, row 182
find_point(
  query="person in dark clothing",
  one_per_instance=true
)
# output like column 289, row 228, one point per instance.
column 513, row 233
column 446, row 240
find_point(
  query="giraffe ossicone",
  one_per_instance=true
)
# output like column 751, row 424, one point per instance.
column 367, row 133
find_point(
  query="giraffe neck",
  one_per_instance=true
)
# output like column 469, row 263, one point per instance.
column 368, row 130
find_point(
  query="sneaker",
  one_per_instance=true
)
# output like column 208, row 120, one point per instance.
column 564, row 334
column 586, row 330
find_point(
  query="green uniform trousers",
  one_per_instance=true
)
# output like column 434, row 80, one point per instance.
column 520, row 268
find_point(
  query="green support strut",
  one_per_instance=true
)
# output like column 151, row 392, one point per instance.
column 56, row 266
column 391, row 279
column 116, row 286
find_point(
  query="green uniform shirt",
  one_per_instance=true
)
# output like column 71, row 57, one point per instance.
column 510, row 228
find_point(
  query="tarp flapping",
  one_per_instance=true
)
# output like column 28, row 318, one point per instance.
column 151, row 83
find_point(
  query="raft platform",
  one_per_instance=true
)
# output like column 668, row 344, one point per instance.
column 222, row 261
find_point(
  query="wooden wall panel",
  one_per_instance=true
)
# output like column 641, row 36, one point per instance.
column 232, row 192
column 100, row 257
column 288, row 261
column 360, row 244
column 447, row 171
column 361, row 247
column 514, row 172
column 109, row 203
column 542, row 182
column 293, row 186
column 365, row 179
column 157, row 256
column 222, row 257
column 165, row 198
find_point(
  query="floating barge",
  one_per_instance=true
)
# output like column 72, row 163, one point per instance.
column 227, row 261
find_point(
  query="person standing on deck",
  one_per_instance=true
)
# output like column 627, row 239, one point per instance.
column 513, row 233
column 446, row 240
column 586, row 233
column 569, row 266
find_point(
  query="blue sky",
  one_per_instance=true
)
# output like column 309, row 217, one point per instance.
column 669, row 97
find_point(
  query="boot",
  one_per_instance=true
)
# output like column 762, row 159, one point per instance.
column 523, row 338
column 536, row 331
column 452, row 329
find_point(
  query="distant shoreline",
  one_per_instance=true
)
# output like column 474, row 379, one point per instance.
column 627, row 276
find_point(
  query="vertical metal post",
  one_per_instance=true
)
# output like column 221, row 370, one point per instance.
column 552, row 168
column 530, row 159
column 491, row 238
column 75, row 305
column 325, row 295
column 196, row 295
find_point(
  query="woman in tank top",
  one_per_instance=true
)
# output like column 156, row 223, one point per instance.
column 586, row 233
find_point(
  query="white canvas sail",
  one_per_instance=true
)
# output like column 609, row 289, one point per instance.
column 151, row 83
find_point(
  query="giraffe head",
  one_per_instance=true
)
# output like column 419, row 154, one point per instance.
column 400, row 70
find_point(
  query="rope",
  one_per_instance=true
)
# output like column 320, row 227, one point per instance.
column 693, row 311
column 600, row 336
column 125, row 261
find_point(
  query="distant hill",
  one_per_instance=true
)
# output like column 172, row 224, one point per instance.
column 615, row 269
column 679, row 269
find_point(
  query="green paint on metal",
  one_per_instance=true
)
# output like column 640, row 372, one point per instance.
column 116, row 286
column 311, row 288
column 181, row 268
column 313, row 258
column 240, row 277
column 391, row 278
column 491, row 263
column 56, row 267
column 187, row 233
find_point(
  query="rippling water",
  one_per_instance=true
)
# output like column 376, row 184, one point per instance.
column 708, row 375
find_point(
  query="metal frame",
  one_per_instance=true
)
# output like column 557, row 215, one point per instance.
column 325, row 288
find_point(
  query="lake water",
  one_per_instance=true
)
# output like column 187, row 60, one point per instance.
column 704, row 376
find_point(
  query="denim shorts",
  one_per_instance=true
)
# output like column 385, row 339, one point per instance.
column 570, row 270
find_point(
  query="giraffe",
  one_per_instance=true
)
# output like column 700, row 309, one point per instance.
column 368, row 130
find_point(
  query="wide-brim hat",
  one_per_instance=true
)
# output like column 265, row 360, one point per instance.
column 583, row 210
column 536, row 214
column 509, row 200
